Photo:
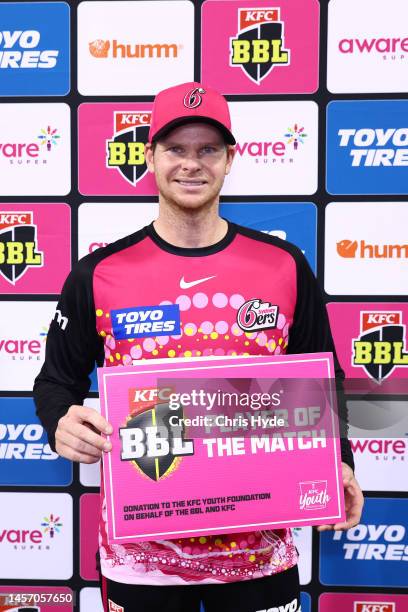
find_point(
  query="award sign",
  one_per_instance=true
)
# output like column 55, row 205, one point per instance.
column 206, row 446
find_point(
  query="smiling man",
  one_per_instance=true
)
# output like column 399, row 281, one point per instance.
column 197, row 273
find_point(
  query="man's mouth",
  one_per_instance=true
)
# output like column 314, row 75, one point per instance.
column 195, row 183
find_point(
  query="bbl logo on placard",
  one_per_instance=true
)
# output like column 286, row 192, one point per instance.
column 125, row 151
column 18, row 245
column 381, row 346
column 149, row 440
column 259, row 44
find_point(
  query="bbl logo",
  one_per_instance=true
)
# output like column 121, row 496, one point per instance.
column 381, row 345
column 18, row 245
column 149, row 440
column 125, row 151
column 259, row 45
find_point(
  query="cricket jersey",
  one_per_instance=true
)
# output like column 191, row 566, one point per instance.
column 143, row 298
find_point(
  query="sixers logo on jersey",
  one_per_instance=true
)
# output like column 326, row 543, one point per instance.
column 18, row 245
column 255, row 315
column 381, row 345
column 125, row 151
column 259, row 44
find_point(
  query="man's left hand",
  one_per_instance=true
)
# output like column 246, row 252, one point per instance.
column 353, row 499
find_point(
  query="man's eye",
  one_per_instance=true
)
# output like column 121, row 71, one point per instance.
column 209, row 149
column 175, row 149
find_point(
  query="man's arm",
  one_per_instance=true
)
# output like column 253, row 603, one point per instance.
column 310, row 333
column 73, row 346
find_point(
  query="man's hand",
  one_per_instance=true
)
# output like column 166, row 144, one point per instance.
column 77, row 436
column 354, row 502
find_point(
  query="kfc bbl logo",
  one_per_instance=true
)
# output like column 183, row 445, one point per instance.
column 381, row 345
column 149, row 439
column 126, row 149
column 18, row 245
column 259, row 44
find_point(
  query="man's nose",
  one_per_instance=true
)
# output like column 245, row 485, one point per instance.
column 190, row 162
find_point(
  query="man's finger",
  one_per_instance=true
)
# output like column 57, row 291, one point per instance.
column 86, row 435
column 66, row 438
column 73, row 455
column 90, row 415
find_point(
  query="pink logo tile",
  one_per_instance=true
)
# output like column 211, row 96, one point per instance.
column 35, row 247
column 259, row 48
column 89, row 509
column 371, row 339
column 362, row 602
column 111, row 140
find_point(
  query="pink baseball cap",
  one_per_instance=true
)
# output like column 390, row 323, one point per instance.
column 187, row 103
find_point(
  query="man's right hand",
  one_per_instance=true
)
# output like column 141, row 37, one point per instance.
column 77, row 435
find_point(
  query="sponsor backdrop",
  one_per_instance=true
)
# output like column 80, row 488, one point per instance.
column 319, row 104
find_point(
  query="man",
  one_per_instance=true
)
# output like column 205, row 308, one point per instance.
column 209, row 268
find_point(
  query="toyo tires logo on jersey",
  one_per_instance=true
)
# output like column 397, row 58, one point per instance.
column 143, row 321
column 255, row 315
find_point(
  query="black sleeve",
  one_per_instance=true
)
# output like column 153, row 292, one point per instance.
column 310, row 333
column 73, row 346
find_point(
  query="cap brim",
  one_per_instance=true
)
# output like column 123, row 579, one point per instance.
column 162, row 133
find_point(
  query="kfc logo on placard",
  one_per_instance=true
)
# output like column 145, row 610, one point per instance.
column 126, row 148
column 259, row 43
column 381, row 346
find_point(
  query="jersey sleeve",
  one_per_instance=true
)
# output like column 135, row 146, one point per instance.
column 72, row 348
column 310, row 333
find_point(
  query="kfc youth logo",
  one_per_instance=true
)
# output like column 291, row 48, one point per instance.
column 313, row 495
column 259, row 45
column 381, row 346
column 18, row 245
column 125, row 151
column 255, row 315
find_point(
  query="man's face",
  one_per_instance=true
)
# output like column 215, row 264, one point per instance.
column 190, row 165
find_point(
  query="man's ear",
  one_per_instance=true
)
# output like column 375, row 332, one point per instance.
column 230, row 157
column 149, row 155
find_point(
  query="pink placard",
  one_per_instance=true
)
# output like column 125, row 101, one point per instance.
column 40, row 236
column 288, row 65
column 222, row 482
column 111, row 139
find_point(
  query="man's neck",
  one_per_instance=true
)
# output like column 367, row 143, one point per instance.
column 190, row 229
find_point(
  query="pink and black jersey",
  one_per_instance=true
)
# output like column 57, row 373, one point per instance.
column 142, row 298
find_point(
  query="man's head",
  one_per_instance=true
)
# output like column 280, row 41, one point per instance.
column 190, row 147
column 187, row 103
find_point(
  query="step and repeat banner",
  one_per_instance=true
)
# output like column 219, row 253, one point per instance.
column 318, row 93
